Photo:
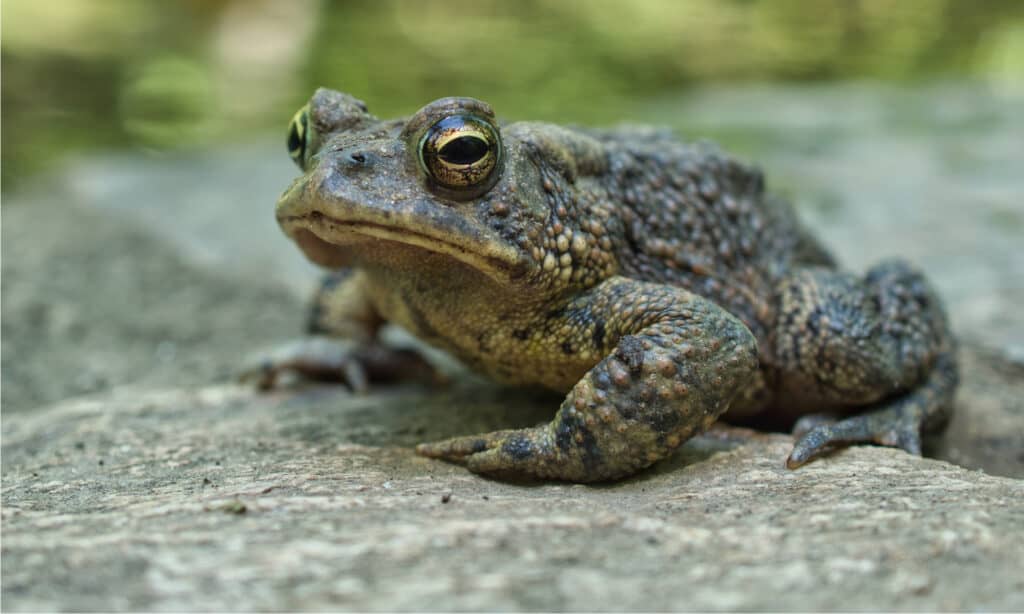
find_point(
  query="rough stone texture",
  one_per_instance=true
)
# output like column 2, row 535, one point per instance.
column 220, row 499
column 140, row 283
column 93, row 298
column 987, row 429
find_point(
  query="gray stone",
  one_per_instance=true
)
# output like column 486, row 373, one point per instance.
column 221, row 499
column 94, row 298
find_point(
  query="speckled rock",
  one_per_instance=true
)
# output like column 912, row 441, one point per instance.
column 220, row 499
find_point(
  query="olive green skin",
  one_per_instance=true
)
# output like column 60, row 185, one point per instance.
column 653, row 282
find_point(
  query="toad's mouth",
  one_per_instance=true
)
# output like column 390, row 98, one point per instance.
column 330, row 242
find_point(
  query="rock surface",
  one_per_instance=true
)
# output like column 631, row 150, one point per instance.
column 219, row 499
column 135, row 476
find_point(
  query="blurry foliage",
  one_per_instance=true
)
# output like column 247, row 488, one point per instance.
column 161, row 74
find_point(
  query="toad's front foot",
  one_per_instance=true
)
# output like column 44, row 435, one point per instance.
column 352, row 363
column 514, row 453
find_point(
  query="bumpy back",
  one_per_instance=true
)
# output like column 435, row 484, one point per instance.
column 694, row 217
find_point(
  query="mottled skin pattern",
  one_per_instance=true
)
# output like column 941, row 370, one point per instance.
column 654, row 282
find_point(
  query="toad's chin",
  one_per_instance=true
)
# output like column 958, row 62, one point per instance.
column 334, row 244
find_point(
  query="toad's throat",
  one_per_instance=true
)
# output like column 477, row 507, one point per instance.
column 323, row 238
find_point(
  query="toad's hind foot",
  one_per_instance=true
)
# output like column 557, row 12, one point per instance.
column 897, row 424
column 892, row 426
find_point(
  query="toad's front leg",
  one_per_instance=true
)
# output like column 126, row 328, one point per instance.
column 676, row 361
column 343, row 344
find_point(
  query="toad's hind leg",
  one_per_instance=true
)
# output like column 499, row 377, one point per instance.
column 898, row 423
column 880, row 343
column 675, row 363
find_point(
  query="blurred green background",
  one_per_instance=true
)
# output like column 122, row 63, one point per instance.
column 163, row 75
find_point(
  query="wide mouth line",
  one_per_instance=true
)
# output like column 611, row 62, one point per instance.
column 315, row 222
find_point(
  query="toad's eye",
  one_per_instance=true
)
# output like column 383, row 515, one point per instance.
column 298, row 134
column 462, row 153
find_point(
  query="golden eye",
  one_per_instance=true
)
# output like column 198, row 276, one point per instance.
column 462, row 152
column 298, row 135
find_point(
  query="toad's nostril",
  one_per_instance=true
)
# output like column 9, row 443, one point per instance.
column 352, row 159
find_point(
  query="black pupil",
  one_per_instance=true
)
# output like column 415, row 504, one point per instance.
column 293, row 139
column 463, row 150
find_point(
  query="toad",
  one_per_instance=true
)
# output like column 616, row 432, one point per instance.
column 655, row 283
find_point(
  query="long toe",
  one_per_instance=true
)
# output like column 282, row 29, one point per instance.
column 457, row 449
